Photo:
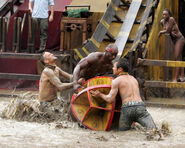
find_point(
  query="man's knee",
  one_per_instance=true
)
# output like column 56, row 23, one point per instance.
column 124, row 128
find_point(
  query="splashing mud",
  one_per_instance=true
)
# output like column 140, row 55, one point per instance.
column 34, row 111
column 50, row 126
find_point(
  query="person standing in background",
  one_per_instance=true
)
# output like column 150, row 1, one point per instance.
column 39, row 10
column 170, row 27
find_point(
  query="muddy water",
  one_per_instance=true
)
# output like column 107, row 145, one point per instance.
column 59, row 134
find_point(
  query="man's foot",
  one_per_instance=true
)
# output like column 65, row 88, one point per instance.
column 40, row 51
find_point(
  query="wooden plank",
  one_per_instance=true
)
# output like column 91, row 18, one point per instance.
column 142, row 25
column 3, row 3
column 4, row 33
column 100, row 31
column 102, row 27
column 1, row 32
column 28, row 56
column 19, row 76
column 166, row 63
column 4, row 7
column 127, row 26
column 164, row 84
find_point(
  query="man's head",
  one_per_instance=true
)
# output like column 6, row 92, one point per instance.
column 49, row 58
column 111, row 51
column 121, row 66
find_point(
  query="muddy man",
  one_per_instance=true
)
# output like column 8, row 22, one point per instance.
column 133, row 108
column 49, row 81
column 95, row 64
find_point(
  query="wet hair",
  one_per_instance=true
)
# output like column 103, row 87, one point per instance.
column 111, row 48
column 124, row 64
column 167, row 10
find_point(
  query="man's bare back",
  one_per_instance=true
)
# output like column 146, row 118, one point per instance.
column 128, row 88
column 95, row 65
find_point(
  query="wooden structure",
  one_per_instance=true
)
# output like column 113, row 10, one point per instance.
column 3, row 33
column 94, row 113
column 27, row 56
column 69, row 24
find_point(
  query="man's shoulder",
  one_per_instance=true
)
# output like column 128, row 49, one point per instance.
column 96, row 53
column 47, row 70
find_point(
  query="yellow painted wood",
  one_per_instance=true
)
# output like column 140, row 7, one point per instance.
column 96, row 5
column 121, row 12
column 175, row 85
column 127, row 48
column 175, row 64
column 114, row 28
column 96, row 120
column 140, row 13
column 103, row 45
column 134, row 31
column 80, row 110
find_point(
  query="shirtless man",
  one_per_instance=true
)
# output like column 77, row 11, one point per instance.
column 170, row 27
column 95, row 64
column 133, row 108
column 49, row 81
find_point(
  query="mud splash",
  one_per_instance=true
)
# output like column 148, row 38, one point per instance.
column 32, row 110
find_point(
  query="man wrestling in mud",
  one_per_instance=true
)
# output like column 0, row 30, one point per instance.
column 133, row 108
column 49, row 81
column 95, row 64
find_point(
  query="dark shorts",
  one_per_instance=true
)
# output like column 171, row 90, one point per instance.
column 135, row 112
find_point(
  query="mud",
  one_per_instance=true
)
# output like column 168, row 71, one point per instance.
column 26, row 123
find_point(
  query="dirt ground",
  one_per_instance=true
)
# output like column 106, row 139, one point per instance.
column 16, row 134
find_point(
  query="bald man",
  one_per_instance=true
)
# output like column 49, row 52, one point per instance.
column 95, row 64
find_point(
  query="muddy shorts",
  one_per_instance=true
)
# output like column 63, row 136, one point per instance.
column 135, row 112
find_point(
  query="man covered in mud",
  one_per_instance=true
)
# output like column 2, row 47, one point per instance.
column 95, row 64
column 49, row 81
column 133, row 108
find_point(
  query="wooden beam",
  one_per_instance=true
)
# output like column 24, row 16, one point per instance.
column 28, row 56
column 164, row 84
column 127, row 26
column 165, row 63
column 142, row 25
column 19, row 76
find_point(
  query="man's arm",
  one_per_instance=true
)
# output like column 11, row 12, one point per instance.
column 30, row 6
column 112, row 94
column 51, row 17
column 65, row 74
column 56, row 81
column 83, row 64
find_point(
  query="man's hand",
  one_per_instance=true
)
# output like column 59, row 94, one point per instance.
column 159, row 34
column 95, row 93
column 76, row 87
column 30, row 10
column 50, row 18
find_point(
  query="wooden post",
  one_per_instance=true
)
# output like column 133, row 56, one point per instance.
column 4, row 33
column 62, row 36
column 168, row 56
column 84, row 32
column 1, row 33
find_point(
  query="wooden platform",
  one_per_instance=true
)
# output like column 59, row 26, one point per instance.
column 178, row 103
column 35, row 56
